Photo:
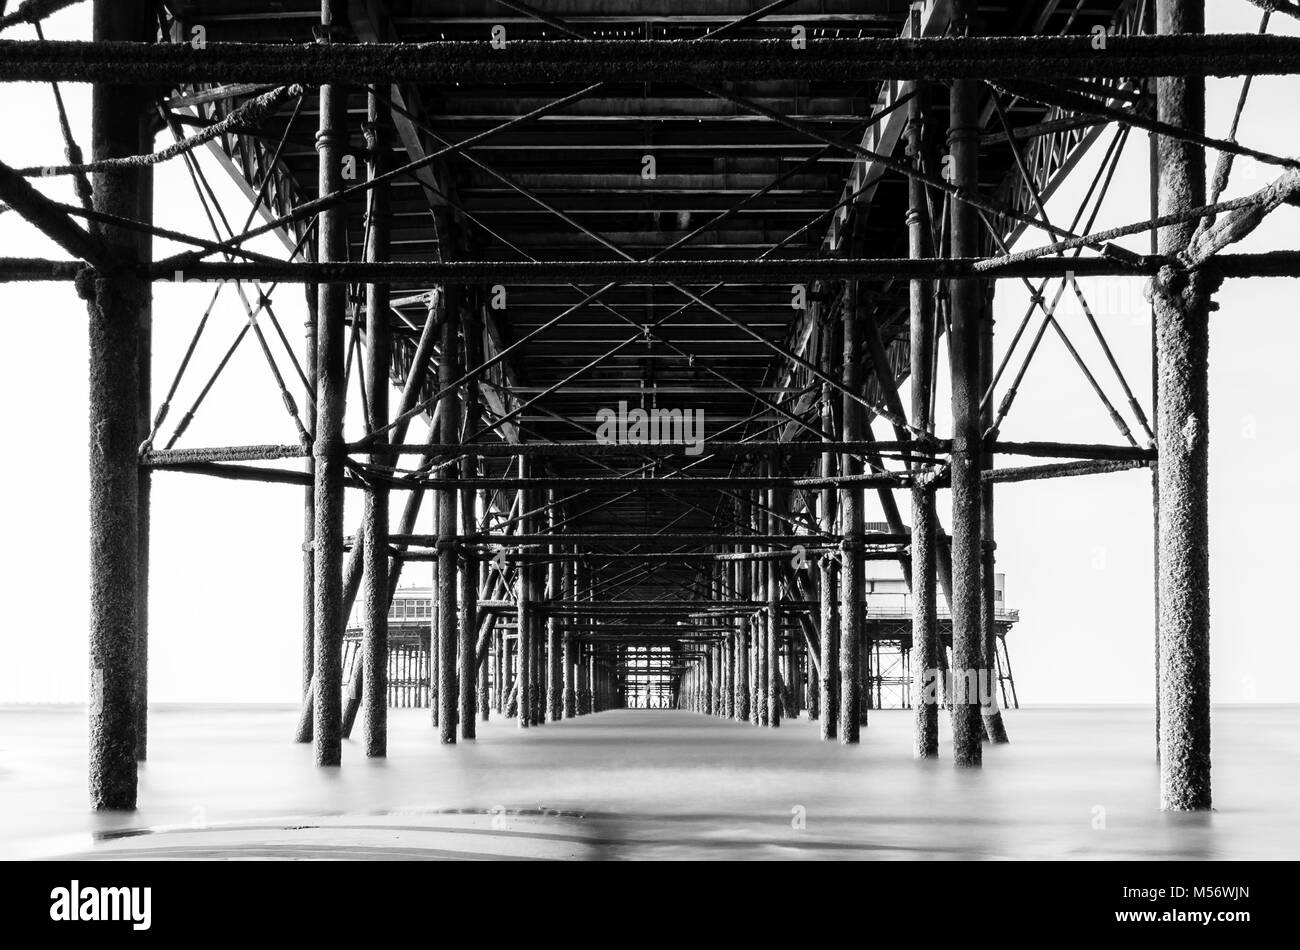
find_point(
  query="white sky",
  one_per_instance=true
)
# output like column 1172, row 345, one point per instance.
column 225, row 581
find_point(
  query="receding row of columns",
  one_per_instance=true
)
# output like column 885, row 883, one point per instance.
column 964, row 563
column 738, row 675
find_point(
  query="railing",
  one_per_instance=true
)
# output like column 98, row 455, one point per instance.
column 889, row 606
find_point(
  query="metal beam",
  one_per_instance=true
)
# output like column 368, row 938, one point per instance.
column 730, row 271
column 586, row 61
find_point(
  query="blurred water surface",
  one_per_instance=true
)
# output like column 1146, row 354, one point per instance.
column 226, row 781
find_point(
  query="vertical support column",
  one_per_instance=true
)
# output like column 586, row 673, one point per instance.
column 467, row 672
column 492, row 678
column 524, row 608
column 927, row 688
column 719, row 662
column 757, row 694
column 304, row 729
column 506, row 675
column 568, row 598
column 761, row 672
column 487, row 671
column 717, row 592
column 795, row 687
column 445, row 640
column 710, row 678
column 537, row 635
column 850, row 503
column 719, row 676
column 144, row 489
column 828, row 564
column 925, row 633
column 728, row 651
column 586, row 698
column 995, row 729
column 814, row 686
column 579, row 676
column 509, row 676
column 587, row 584
column 327, row 567
column 118, row 325
column 706, row 682
column 569, row 704
column 1182, row 306
column 554, row 671
column 1149, row 25
column 964, row 359
column 864, row 668
column 776, row 504
column 374, row 528
column 741, row 710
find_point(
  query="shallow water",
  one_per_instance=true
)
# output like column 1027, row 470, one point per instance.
column 227, row 782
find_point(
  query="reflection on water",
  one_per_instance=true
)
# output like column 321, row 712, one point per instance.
column 226, row 781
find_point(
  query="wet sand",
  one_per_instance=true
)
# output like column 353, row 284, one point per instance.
column 226, row 782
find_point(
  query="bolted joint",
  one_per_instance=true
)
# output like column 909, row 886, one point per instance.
column 925, row 476
column 326, row 138
column 370, row 131
column 329, row 449
column 913, row 133
column 86, row 282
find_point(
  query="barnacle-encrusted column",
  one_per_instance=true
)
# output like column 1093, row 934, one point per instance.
column 1182, row 306
column 374, row 533
column 328, row 450
column 118, row 335
column 850, row 504
column 968, row 660
column 925, row 644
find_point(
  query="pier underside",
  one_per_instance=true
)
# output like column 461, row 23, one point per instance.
column 649, row 308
